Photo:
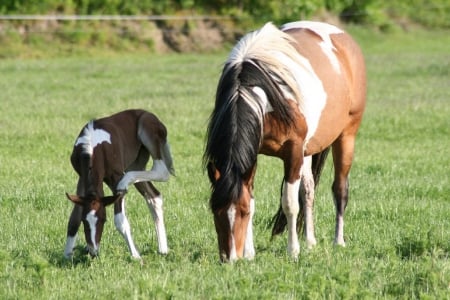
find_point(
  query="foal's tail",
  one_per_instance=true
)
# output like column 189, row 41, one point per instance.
column 167, row 157
column 279, row 221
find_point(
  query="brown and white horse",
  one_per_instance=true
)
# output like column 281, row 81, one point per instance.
column 291, row 93
column 115, row 150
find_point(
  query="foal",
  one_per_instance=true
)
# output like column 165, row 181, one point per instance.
column 115, row 150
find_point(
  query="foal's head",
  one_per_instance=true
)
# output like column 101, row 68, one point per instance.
column 93, row 217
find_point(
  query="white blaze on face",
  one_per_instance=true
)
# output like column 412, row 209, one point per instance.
column 92, row 219
column 324, row 31
column 91, row 137
column 231, row 218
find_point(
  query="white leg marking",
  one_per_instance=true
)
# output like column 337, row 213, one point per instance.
column 249, row 248
column 339, row 235
column 308, row 187
column 92, row 220
column 231, row 218
column 158, row 172
column 291, row 209
column 156, row 209
column 123, row 226
column 70, row 244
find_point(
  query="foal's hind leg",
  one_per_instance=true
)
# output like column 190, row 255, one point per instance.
column 343, row 149
column 155, row 204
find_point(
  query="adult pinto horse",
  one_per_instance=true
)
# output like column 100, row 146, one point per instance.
column 291, row 93
column 115, row 150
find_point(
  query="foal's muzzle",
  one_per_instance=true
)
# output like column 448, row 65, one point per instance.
column 92, row 251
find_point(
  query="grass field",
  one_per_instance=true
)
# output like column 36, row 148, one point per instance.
column 397, row 220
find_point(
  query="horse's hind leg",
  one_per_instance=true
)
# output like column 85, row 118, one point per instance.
column 307, row 195
column 155, row 204
column 123, row 226
column 342, row 149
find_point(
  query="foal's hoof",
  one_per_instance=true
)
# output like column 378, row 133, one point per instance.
column 68, row 256
column 121, row 192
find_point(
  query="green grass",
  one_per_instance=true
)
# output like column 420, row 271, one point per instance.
column 397, row 221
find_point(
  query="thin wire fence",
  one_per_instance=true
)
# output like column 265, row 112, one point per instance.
column 110, row 17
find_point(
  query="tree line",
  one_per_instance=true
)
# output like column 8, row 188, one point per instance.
column 429, row 13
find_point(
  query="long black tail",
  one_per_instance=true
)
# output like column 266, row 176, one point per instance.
column 279, row 220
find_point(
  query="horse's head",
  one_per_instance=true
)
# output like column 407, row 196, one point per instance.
column 93, row 217
column 231, row 204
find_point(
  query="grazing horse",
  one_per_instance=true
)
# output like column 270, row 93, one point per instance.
column 291, row 93
column 115, row 150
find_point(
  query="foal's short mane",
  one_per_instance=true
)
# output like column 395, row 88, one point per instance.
column 260, row 59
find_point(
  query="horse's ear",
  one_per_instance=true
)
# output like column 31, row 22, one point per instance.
column 108, row 200
column 75, row 199
column 213, row 173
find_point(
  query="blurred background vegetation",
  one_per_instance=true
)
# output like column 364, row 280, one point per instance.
column 228, row 18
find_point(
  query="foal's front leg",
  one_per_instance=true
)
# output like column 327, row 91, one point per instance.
column 123, row 226
column 159, row 172
column 72, row 229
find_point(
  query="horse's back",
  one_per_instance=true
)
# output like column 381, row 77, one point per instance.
column 338, row 64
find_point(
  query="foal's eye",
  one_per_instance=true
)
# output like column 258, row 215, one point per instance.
column 245, row 213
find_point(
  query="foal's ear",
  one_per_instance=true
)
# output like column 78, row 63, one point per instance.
column 108, row 200
column 75, row 199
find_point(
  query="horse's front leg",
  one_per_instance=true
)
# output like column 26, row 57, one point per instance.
column 291, row 209
column 123, row 226
column 290, row 204
column 249, row 248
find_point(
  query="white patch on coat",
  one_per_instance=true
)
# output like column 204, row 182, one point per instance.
column 311, row 90
column 91, row 137
column 324, row 30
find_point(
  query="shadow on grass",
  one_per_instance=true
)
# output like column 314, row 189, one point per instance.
column 80, row 258
column 414, row 247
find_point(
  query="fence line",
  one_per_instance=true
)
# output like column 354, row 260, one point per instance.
column 108, row 17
